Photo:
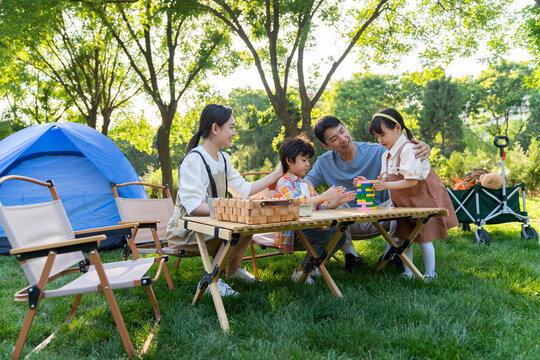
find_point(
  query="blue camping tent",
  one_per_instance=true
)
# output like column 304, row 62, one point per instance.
column 82, row 163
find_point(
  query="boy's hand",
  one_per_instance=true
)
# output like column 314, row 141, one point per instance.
column 345, row 197
column 379, row 184
column 357, row 179
column 333, row 192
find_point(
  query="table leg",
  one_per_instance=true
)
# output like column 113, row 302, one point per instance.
column 401, row 254
column 216, row 296
column 322, row 268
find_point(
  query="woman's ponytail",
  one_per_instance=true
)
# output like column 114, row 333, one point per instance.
column 195, row 139
column 210, row 115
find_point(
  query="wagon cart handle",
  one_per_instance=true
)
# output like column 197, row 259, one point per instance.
column 499, row 145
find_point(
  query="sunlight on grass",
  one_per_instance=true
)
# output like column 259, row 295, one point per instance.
column 485, row 304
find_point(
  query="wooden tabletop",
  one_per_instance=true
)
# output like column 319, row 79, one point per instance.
column 321, row 218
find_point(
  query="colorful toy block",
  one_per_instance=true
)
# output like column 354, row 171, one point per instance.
column 364, row 195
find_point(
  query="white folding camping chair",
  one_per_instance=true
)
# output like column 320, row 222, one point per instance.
column 152, row 216
column 42, row 239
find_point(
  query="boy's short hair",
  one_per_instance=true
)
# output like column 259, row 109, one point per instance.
column 292, row 147
column 323, row 123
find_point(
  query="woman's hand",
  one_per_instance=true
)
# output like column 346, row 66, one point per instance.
column 380, row 185
column 357, row 179
column 279, row 170
column 333, row 193
column 421, row 149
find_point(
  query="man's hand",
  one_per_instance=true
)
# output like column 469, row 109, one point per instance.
column 357, row 179
column 421, row 149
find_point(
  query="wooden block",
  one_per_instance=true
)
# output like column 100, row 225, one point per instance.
column 249, row 204
column 255, row 212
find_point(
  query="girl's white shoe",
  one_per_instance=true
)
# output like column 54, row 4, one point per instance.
column 296, row 277
column 243, row 275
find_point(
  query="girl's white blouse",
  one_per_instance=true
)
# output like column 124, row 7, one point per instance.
column 193, row 179
column 410, row 167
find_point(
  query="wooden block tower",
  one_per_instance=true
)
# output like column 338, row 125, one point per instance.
column 365, row 195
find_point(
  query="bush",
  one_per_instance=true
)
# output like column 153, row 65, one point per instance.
column 152, row 176
column 520, row 166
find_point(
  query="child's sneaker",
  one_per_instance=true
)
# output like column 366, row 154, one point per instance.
column 430, row 277
column 224, row 289
column 315, row 273
column 407, row 275
column 243, row 275
column 296, row 277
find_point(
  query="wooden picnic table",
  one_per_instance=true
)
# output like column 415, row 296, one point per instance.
column 231, row 232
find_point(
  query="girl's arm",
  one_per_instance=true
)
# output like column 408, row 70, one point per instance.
column 380, row 184
column 266, row 181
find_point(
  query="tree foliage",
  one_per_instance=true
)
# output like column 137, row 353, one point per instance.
column 169, row 48
column 440, row 122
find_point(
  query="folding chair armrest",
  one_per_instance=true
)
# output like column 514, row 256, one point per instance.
column 121, row 225
column 82, row 244
column 143, row 224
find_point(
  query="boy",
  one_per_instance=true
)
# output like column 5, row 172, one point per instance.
column 295, row 155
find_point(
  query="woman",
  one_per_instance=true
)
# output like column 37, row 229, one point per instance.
column 207, row 173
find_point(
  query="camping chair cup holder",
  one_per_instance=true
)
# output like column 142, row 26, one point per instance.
column 482, row 206
column 47, row 248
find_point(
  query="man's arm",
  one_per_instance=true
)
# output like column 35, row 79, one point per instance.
column 314, row 175
column 421, row 149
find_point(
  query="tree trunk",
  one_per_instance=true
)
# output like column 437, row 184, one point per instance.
column 106, row 114
column 91, row 119
column 289, row 119
column 306, row 119
column 164, row 150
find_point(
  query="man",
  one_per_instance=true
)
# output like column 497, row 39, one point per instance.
column 346, row 160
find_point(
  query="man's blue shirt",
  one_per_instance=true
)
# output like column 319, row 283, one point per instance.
column 330, row 169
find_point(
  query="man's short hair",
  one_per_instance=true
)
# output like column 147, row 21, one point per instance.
column 292, row 147
column 323, row 123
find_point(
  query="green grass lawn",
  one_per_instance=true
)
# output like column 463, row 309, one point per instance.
column 485, row 304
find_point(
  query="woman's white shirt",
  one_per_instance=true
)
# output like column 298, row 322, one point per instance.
column 410, row 167
column 193, row 180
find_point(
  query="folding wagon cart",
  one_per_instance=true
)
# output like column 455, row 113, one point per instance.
column 482, row 206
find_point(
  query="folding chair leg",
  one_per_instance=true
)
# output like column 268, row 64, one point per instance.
column 177, row 263
column 150, row 337
column 113, row 305
column 23, row 334
column 160, row 253
column 253, row 258
column 74, row 308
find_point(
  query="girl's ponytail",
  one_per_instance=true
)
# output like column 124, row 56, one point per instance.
column 390, row 117
column 409, row 133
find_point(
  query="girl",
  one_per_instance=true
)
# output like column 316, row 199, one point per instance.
column 207, row 172
column 412, row 183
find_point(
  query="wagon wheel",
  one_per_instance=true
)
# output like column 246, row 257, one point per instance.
column 466, row 226
column 528, row 232
column 481, row 235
